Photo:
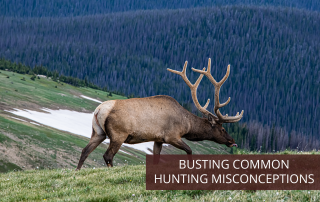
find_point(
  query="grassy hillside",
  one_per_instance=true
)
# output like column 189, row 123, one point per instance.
column 24, row 145
column 273, row 52
column 16, row 92
column 126, row 183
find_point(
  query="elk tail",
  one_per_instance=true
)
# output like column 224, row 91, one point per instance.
column 96, row 125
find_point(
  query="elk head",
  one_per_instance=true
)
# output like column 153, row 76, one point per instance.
column 215, row 132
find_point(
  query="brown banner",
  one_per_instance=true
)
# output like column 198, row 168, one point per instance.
column 233, row 172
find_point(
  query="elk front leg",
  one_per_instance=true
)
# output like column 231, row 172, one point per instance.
column 156, row 151
column 178, row 143
column 157, row 147
column 95, row 140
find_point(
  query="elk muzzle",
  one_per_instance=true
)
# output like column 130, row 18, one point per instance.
column 231, row 143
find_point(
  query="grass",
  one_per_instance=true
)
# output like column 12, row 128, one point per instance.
column 124, row 183
column 17, row 93
column 27, row 146
column 30, row 146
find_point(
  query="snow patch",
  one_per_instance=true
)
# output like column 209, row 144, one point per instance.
column 74, row 122
column 89, row 98
column 125, row 152
column 18, row 119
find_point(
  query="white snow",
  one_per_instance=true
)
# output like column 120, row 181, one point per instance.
column 124, row 152
column 75, row 122
column 18, row 119
column 35, row 123
column 43, row 76
column 89, row 98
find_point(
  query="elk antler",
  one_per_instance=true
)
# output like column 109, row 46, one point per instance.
column 193, row 89
column 217, row 86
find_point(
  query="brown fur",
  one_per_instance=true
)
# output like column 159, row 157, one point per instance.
column 158, row 118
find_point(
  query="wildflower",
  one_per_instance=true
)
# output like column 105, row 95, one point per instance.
column 7, row 179
column 308, row 192
column 133, row 195
column 94, row 168
column 277, row 193
column 229, row 198
column 44, row 199
column 37, row 167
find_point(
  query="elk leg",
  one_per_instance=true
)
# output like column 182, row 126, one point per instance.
column 156, row 151
column 95, row 140
column 111, row 151
column 178, row 143
column 157, row 147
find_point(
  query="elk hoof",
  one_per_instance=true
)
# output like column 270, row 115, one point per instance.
column 109, row 165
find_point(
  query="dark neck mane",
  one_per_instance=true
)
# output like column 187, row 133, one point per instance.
column 199, row 129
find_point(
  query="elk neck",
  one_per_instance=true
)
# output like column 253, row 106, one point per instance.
column 199, row 130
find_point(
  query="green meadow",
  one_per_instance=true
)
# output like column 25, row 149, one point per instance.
column 120, row 183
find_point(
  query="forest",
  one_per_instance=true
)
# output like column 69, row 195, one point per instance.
column 273, row 52
column 64, row 8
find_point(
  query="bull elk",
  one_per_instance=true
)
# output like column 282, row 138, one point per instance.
column 160, row 119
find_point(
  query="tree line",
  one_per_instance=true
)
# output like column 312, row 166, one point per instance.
column 41, row 70
column 63, row 8
column 254, row 136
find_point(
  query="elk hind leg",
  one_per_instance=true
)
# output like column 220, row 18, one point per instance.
column 112, row 150
column 95, row 140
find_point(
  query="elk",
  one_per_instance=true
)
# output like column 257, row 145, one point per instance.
column 160, row 119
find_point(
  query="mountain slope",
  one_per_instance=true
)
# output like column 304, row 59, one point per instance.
column 27, row 142
column 274, row 56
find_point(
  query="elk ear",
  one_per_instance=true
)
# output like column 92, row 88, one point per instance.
column 211, row 119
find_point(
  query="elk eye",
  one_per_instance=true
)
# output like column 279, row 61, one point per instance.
column 223, row 130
